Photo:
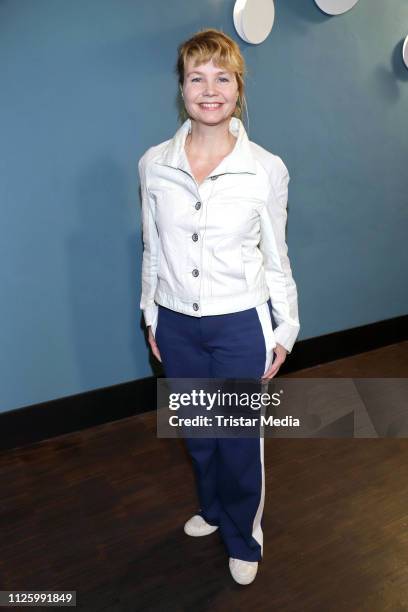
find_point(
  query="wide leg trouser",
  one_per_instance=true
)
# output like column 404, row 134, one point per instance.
column 230, row 474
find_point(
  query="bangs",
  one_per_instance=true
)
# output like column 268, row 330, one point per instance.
column 221, row 56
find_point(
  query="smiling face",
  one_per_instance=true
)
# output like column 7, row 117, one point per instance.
column 210, row 92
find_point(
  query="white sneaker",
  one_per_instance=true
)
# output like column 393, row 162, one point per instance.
column 243, row 572
column 197, row 526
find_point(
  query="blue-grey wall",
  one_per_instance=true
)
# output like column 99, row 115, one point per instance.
column 88, row 85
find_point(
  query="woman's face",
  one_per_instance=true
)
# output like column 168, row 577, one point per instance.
column 210, row 92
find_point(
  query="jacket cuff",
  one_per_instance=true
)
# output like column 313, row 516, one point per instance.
column 286, row 334
column 150, row 314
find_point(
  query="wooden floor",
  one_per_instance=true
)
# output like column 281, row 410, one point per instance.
column 102, row 511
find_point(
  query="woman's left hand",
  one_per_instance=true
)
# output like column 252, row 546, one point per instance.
column 280, row 356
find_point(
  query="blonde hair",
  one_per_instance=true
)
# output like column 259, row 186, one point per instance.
column 213, row 44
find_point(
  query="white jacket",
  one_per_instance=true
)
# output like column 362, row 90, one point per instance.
column 218, row 247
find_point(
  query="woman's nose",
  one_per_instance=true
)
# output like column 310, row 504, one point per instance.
column 209, row 88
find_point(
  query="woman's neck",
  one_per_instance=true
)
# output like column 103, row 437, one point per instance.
column 209, row 141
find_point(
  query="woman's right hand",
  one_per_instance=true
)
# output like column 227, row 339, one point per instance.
column 153, row 344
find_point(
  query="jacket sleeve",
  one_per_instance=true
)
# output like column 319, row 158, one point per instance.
column 282, row 287
column 150, row 250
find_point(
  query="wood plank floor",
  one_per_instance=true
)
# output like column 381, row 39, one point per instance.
column 101, row 512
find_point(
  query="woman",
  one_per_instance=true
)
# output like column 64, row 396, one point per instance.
column 215, row 274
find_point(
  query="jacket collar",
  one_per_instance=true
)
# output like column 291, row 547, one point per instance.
column 240, row 159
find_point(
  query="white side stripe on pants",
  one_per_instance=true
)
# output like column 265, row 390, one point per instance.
column 270, row 343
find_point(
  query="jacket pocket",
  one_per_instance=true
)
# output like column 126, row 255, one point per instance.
column 227, row 269
column 227, row 256
column 252, row 262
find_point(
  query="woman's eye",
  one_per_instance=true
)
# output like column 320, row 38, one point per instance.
column 222, row 79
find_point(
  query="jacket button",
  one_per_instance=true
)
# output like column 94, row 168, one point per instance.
column 195, row 306
column 198, row 205
column 194, row 237
column 195, row 272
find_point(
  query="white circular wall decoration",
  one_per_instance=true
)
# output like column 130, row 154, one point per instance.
column 253, row 19
column 335, row 7
column 405, row 52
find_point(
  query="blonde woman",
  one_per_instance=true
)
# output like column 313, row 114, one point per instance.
column 218, row 295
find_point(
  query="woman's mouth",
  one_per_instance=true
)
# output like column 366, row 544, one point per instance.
column 210, row 105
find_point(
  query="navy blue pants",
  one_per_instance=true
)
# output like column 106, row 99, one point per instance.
column 229, row 472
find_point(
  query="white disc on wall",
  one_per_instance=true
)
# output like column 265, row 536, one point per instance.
column 253, row 19
column 335, row 7
column 405, row 52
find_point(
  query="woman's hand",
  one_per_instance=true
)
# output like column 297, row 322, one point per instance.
column 280, row 357
column 153, row 344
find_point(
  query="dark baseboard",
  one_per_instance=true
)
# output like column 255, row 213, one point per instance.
column 49, row 419
column 75, row 412
column 345, row 343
